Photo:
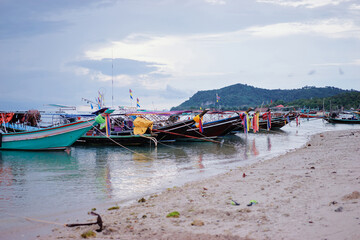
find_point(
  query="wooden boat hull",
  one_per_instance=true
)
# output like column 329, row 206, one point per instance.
column 125, row 140
column 276, row 123
column 343, row 121
column 54, row 138
column 214, row 129
column 304, row 115
column 173, row 131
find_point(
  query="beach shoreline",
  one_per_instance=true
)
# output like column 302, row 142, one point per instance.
column 307, row 193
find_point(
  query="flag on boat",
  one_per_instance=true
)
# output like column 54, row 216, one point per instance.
column 100, row 100
column 217, row 98
column 131, row 96
column 137, row 102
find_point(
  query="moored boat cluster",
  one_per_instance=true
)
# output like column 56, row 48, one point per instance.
column 24, row 131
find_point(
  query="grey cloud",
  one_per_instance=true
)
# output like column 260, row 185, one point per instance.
column 120, row 66
column 24, row 18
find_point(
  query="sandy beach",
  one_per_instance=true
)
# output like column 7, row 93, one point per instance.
column 308, row 193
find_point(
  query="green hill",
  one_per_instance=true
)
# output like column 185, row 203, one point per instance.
column 241, row 96
column 346, row 100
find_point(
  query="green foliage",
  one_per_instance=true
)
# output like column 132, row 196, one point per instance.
column 173, row 214
column 242, row 96
column 114, row 208
column 88, row 234
column 346, row 100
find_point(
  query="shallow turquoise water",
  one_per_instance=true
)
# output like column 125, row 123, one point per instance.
column 62, row 187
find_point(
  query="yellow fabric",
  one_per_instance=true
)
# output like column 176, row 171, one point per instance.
column 141, row 125
column 197, row 120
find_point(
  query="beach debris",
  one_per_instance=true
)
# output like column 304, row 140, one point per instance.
column 244, row 210
column 205, row 188
column 233, row 202
column 244, row 175
column 141, row 200
column 93, row 209
column 339, row 209
column 88, row 234
column 352, row 196
column 312, row 167
column 174, row 214
column 114, row 208
column 252, row 202
column 98, row 222
column 197, row 223
column 333, row 203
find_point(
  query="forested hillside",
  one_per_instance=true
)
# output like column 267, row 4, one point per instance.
column 241, row 96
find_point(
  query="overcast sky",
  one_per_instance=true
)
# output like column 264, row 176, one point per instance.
column 167, row 50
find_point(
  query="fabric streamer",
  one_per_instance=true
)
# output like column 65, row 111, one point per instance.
column 108, row 125
column 246, row 123
column 137, row 102
column 256, row 122
column 269, row 121
column 198, row 123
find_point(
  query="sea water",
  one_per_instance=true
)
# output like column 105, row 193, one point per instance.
column 40, row 189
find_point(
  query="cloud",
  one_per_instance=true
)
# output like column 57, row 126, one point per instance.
column 355, row 62
column 25, row 18
column 304, row 3
column 118, row 66
column 216, row 2
column 354, row 7
column 332, row 28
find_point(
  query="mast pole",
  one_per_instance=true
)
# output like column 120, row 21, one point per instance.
column 112, row 78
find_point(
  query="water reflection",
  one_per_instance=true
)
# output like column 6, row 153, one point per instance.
column 268, row 143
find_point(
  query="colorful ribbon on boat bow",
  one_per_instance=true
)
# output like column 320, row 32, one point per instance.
column 198, row 123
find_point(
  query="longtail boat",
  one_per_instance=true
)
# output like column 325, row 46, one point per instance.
column 351, row 118
column 176, row 130
column 140, row 134
column 52, row 138
column 214, row 129
column 276, row 122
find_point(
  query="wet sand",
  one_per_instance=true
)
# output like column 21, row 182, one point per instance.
column 308, row 193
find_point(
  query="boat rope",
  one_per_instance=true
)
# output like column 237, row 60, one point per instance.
column 150, row 138
column 150, row 158
column 37, row 220
column 188, row 136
